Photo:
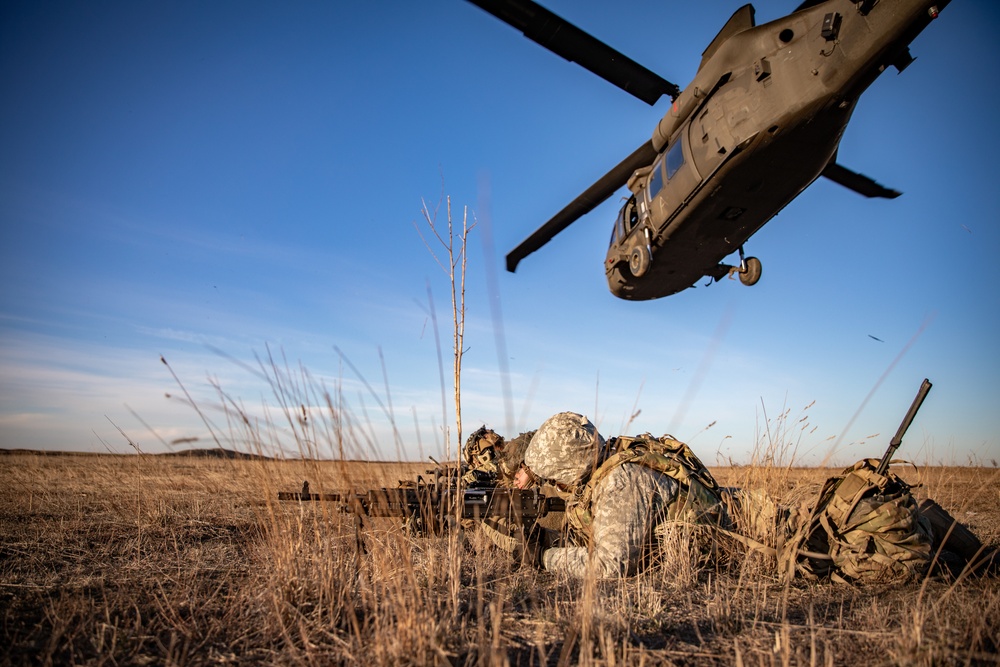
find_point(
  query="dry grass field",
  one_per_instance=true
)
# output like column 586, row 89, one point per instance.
column 137, row 560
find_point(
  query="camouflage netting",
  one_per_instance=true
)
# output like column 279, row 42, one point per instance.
column 565, row 449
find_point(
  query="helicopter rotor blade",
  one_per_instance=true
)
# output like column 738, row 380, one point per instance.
column 860, row 183
column 563, row 38
column 593, row 196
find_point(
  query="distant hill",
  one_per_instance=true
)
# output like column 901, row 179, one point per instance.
column 46, row 452
column 214, row 453
column 219, row 453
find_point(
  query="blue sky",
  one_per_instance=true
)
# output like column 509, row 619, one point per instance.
column 210, row 182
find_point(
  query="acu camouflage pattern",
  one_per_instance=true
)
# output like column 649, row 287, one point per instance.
column 565, row 449
column 699, row 498
column 644, row 486
column 627, row 505
column 619, row 501
column 865, row 527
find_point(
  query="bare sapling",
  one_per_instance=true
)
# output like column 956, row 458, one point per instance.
column 454, row 243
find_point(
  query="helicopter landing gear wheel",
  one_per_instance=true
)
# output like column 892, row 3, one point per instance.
column 750, row 271
column 639, row 260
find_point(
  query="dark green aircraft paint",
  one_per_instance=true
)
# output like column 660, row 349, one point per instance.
column 760, row 122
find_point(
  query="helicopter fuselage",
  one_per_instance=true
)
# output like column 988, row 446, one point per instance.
column 759, row 123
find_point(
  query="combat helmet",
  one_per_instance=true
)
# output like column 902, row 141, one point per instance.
column 565, row 449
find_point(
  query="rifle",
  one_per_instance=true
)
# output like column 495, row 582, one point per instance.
column 883, row 465
column 429, row 507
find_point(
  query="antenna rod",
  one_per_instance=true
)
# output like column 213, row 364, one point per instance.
column 897, row 439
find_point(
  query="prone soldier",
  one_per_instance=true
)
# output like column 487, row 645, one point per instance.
column 620, row 495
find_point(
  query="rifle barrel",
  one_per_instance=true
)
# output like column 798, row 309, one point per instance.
column 297, row 495
column 897, row 439
column 431, row 500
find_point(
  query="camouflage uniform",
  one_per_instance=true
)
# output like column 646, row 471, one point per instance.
column 490, row 461
column 627, row 504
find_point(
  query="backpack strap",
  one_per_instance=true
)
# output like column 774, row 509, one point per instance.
column 699, row 497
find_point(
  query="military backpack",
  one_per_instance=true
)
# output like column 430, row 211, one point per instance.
column 865, row 527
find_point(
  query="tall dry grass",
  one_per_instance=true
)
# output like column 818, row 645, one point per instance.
column 138, row 560
column 181, row 560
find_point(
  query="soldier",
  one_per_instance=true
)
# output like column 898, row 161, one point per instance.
column 491, row 461
column 613, row 507
column 625, row 495
column 481, row 455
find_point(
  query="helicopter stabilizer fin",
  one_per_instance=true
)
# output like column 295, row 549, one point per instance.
column 742, row 19
column 860, row 183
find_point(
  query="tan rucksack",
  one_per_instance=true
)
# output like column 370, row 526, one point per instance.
column 864, row 527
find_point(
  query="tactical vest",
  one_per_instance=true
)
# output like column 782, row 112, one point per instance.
column 699, row 498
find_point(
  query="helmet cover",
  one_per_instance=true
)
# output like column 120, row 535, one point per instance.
column 565, row 449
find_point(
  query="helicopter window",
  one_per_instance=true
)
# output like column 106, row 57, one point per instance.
column 675, row 159
column 631, row 216
column 656, row 181
column 618, row 230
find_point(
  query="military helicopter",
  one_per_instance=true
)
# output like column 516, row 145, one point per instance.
column 762, row 119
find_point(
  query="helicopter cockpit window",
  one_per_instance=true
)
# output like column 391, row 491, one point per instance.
column 675, row 159
column 628, row 218
column 618, row 231
column 656, row 180
column 631, row 216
